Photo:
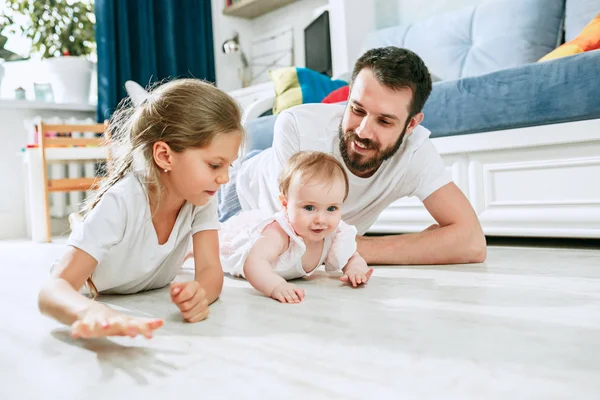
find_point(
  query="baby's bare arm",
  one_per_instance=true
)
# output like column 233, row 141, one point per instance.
column 258, row 267
column 356, row 261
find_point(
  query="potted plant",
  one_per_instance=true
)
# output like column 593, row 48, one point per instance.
column 62, row 34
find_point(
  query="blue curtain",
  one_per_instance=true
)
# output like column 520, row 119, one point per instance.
column 150, row 40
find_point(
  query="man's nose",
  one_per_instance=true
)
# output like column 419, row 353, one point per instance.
column 364, row 129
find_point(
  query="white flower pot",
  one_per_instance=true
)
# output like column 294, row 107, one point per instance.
column 70, row 77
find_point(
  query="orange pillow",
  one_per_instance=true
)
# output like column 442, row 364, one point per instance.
column 588, row 39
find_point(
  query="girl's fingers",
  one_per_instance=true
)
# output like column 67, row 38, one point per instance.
column 200, row 314
column 118, row 326
column 198, row 310
column 155, row 323
column 77, row 329
column 141, row 327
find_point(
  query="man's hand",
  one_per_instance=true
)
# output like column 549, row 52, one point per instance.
column 191, row 300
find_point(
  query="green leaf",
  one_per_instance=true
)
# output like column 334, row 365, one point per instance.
column 54, row 26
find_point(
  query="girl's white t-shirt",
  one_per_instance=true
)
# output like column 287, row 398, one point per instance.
column 120, row 235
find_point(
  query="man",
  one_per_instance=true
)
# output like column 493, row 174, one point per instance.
column 387, row 155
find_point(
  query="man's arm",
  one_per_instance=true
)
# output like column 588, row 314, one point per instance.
column 457, row 238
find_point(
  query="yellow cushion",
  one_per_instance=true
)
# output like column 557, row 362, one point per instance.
column 297, row 85
column 287, row 89
column 588, row 39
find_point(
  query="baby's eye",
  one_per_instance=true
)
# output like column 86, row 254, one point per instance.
column 214, row 166
column 332, row 208
column 309, row 208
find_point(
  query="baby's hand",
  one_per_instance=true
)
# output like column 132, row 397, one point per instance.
column 100, row 320
column 288, row 293
column 191, row 300
column 357, row 275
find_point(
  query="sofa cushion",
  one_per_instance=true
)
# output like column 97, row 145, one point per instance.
column 578, row 14
column 338, row 95
column 551, row 92
column 588, row 39
column 295, row 86
column 491, row 36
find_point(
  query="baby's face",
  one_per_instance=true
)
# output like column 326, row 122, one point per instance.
column 315, row 207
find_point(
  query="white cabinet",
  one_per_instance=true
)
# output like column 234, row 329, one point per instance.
column 540, row 181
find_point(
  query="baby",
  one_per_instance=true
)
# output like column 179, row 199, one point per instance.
column 269, row 250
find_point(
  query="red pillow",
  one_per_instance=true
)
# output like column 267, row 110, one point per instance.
column 338, row 95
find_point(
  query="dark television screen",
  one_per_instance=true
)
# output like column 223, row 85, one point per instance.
column 317, row 45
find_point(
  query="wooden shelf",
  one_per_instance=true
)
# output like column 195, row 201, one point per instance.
column 250, row 9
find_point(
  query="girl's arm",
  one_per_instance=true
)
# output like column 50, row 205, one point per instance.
column 258, row 268
column 207, row 264
column 193, row 297
column 60, row 298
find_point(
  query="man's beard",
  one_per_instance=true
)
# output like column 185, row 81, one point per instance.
column 360, row 163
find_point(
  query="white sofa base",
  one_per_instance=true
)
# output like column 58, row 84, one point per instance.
column 541, row 181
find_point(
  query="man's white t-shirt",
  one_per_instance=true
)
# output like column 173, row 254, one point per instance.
column 415, row 170
column 120, row 235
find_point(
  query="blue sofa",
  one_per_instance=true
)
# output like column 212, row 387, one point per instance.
column 511, row 129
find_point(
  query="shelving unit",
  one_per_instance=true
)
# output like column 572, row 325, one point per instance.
column 250, row 9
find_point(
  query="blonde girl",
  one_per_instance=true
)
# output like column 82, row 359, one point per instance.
column 172, row 153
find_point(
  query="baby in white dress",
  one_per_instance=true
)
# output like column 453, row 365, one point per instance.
column 270, row 249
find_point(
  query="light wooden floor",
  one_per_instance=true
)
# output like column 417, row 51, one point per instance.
column 524, row 325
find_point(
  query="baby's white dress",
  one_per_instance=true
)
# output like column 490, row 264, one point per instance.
column 239, row 234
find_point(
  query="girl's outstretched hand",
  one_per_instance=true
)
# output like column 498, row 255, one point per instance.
column 100, row 320
column 191, row 300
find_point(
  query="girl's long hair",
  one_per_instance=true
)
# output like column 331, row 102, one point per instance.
column 183, row 113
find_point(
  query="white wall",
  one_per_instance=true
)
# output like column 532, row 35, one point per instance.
column 351, row 21
column 226, row 66
column 396, row 12
column 296, row 15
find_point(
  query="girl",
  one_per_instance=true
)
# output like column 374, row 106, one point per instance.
column 135, row 233
column 268, row 250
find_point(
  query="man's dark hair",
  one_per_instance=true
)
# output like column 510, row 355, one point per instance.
column 396, row 69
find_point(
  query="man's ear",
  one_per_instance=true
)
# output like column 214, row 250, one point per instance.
column 283, row 200
column 414, row 122
column 162, row 155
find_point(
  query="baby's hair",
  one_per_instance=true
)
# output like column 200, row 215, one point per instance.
column 312, row 164
column 183, row 113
